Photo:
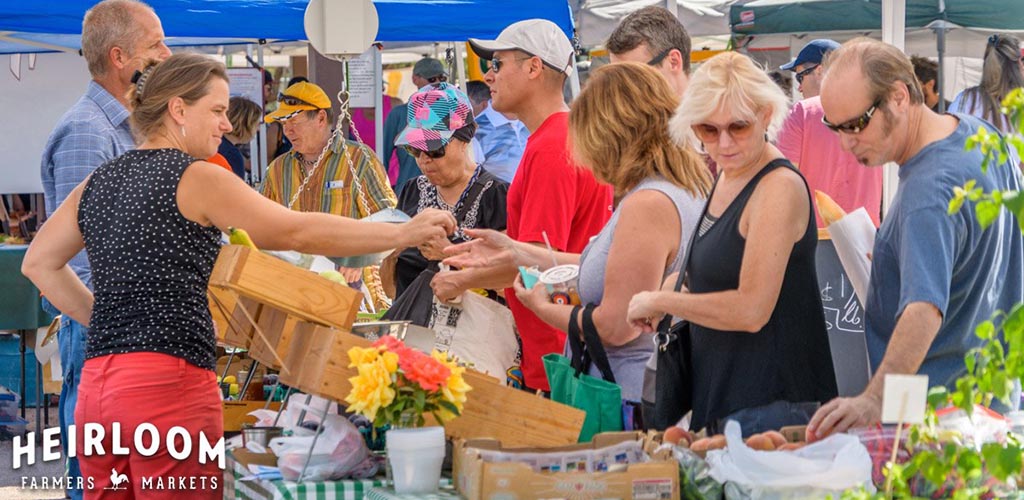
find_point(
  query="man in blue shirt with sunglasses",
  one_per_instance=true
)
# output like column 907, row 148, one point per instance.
column 935, row 275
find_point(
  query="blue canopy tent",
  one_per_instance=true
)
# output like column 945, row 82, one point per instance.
column 54, row 25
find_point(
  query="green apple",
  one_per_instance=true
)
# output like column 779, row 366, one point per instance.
column 334, row 276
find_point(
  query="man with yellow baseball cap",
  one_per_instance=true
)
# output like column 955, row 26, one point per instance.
column 307, row 120
column 302, row 96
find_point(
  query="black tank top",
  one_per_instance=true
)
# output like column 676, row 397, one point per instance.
column 150, row 265
column 789, row 359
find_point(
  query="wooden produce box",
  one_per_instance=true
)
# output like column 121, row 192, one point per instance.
column 318, row 364
column 477, row 478
column 236, row 413
column 254, row 297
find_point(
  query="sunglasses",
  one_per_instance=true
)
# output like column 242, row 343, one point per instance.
column 433, row 155
column 856, row 125
column 800, row 75
column 294, row 101
column 496, row 63
column 661, row 57
column 709, row 134
column 436, row 79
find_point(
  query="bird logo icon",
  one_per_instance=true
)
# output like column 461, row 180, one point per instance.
column 117, row 480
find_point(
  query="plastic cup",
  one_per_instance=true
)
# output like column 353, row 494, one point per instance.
column 562, row 283
column 530, row 276
column 416, row 456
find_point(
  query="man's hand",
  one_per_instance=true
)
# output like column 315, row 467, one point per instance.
column 447, row 285
column 352, row 274
column 842, row 414
column 488, row 248
column 434, row 248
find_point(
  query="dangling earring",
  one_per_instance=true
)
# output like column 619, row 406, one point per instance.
column 183, row 131
column 702, row 149
column 766, row 137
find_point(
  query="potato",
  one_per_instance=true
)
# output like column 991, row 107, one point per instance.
column 791, row 446
column 777, row 438
column 717, row 442
column 760, row 442
column 701, row 444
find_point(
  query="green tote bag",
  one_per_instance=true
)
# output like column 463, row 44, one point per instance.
column 570, row 384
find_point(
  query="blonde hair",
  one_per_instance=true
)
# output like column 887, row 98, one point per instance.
column 734, row 82
column 109, row 24
column 186, row 76
column 244, row 116
column 618, row 126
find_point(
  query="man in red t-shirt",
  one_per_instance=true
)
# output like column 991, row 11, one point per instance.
column 550, row 194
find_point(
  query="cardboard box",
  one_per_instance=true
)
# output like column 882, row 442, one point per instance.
column 477, row 479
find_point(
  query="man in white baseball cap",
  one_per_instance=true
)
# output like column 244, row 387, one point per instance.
column 530, row 61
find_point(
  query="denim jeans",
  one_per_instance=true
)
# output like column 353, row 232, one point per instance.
column 71, row 340
column 770, row 417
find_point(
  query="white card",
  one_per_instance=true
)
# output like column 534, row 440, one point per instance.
column 906, row 394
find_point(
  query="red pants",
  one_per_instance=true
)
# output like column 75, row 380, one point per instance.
column 158, row 389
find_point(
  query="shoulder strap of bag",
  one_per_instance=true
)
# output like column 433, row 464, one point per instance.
column 578, row 357
column 478, row 185
column 666, row 323
column 594, row 347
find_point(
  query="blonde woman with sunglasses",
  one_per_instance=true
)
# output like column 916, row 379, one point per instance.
column 760, row 353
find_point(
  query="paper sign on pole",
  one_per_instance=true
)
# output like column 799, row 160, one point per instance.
column 246, row 82
column 904, row 399
column 360, row 80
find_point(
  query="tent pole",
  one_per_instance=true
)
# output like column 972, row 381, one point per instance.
column 263, row 126
column 940, row 79
column 460, row 64
column 894, row 21
column 378, row 105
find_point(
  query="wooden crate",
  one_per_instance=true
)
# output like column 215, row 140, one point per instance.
column 295, row 291
column 256, row 298
column 236, row 413
column 318, row 362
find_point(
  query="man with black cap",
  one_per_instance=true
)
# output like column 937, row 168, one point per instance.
column 551, row 197
column 426, row 71
column 816, row 151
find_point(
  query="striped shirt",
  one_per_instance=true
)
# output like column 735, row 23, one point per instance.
column 331, row 190
column 94, row 131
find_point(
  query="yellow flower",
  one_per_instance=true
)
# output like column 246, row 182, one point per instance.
column 455, row 387
column 358, row 356
column 390, row 361
column 372, row 389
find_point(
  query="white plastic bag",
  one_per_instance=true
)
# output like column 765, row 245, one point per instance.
column 477, row 330
column 340, row 452
column 831, row 465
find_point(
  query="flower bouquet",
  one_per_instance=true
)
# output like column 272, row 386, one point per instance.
column 395, row 386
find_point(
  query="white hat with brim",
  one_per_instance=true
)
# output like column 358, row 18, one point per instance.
column 536, row 37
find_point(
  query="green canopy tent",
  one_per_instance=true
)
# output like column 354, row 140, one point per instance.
column 798, row 16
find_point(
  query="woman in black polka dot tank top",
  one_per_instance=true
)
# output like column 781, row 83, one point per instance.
column 150, row 222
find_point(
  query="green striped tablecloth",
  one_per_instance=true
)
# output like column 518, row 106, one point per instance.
column 388, row 493
column 236, row 489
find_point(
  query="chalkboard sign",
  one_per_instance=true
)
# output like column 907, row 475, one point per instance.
column 844, row 318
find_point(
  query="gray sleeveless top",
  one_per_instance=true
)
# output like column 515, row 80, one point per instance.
column 627, row 361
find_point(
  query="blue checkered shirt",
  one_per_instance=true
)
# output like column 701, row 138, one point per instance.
column 499, row 143
column 94, row 131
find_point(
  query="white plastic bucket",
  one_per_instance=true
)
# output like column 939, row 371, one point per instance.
column 416, row 456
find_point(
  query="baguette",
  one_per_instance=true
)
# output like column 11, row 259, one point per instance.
column 829, row 210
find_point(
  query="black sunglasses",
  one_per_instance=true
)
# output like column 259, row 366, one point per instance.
column 661, row 57
column 496, row 63
column 433, row 155
column 856, row 125
column 294, row 101
column 436, row 79
column 800, row 75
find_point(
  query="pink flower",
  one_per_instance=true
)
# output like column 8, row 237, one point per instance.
column 426, row 371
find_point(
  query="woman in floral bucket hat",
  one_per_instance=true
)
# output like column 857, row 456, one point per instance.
column 438, row 135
